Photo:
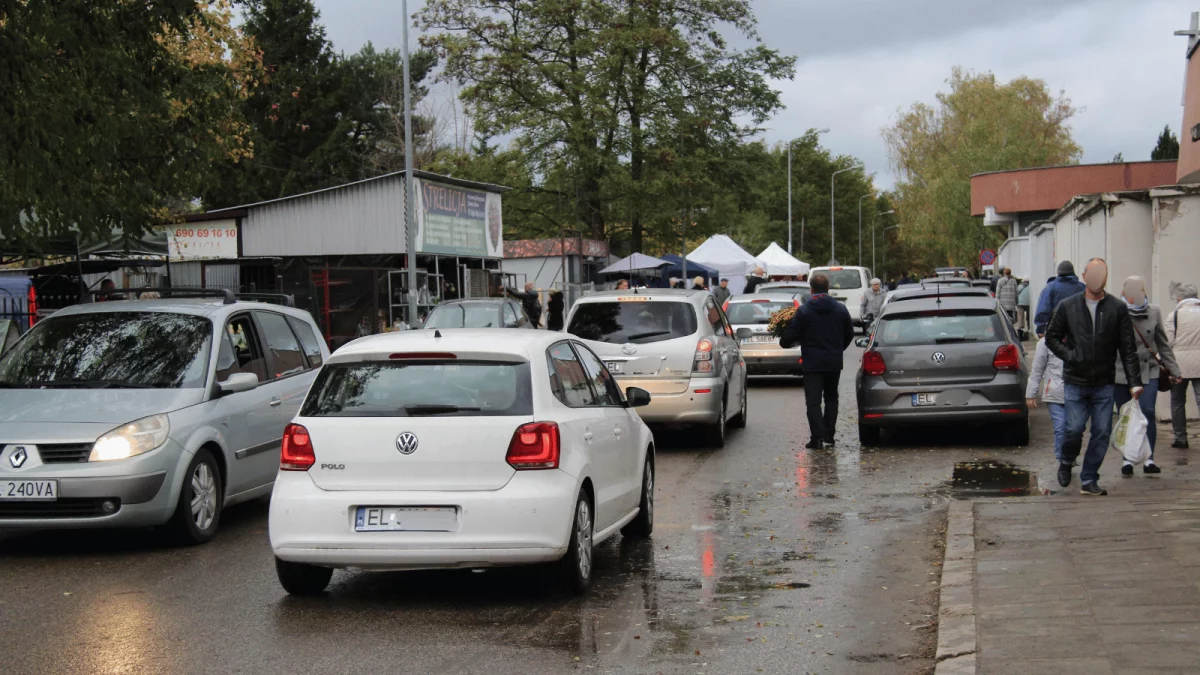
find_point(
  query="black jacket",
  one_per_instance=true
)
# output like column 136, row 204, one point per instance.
column 1089, row 353
column 554, row 312
column 823, row 329
column 530, row 303
column 752, row 283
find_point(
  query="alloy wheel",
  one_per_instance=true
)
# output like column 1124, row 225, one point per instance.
column 204, row 496
column 583, row 538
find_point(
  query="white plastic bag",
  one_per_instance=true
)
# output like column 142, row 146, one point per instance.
column 1129, row 434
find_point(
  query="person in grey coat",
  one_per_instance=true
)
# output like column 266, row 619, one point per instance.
column 722, row 293
column 872, row 301
column 1046, row 378
column 1151, row 337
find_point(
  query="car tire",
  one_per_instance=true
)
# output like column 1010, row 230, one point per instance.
column 198, row 511
column 643, row 525
column 869, row 436
column 576, row 566
column 739, row 422
column 301, row 579
column 714, row 434
column 1018, row 433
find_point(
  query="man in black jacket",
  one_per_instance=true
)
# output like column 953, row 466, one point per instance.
column 823, row 329
column 530, row 302
column 1087, row 332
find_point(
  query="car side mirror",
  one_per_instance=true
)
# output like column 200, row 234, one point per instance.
column 237, row 383
column 862, row 342
column 637, row 397
column 743, row 333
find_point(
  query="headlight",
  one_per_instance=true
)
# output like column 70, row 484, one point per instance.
column 131, row 439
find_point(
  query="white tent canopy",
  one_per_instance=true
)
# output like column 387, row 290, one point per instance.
column 730, row 260
column 781, row 262
column 635, row 263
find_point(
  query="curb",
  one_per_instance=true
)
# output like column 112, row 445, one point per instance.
column 956, row 645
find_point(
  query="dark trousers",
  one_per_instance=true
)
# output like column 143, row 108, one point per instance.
column 818, row 386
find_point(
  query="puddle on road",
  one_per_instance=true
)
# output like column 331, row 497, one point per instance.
column 991, row 478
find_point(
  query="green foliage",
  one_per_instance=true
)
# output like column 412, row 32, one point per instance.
column 979, row 125
column 1167, row 146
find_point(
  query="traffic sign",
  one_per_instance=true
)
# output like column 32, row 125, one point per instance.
column 987, row 257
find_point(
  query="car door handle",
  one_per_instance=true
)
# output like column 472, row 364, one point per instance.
column 275, row 402
column 587, row 436
column 617, row 431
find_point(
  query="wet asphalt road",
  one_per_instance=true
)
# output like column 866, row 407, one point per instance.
column 767, row 557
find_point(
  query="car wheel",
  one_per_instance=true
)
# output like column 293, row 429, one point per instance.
column 715, row 433
column 1018, row 433
column 739, row 422
column 576, row 565
column 869, row 436
column 641, row 526
column 198, row 511
column 301, row 579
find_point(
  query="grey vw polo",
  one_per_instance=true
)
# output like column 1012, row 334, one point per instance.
column 144, row 413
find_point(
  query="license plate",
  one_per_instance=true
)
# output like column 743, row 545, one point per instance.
column 758, row 338
column 28, row 490
column 614, row 367
column 924, row 399
column 406, row 519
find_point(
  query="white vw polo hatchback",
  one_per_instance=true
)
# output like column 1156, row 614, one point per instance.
column 460, row 449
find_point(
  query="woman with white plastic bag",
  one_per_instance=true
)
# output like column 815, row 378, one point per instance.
column 1157, row 361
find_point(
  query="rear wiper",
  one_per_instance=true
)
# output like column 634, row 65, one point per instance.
column 944, row 340
column 418, row 410
column 653, row 333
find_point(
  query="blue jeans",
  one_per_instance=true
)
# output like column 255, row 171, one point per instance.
column 1084, row 403
column 1146, row 402
column 1058, row 415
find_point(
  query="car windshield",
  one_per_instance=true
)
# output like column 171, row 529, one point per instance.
column 465, row 315
column 939, row 327
column 111, row 350
column 639, row 322
column 741, row 313
column 843, row 279
column 422, row 389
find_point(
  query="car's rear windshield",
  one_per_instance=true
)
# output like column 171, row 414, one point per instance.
column 111, row 350
column 465, row 315
column 939, row 327
column 639, row 322
column 843, row 279
column 755, row 312
column 421, row 389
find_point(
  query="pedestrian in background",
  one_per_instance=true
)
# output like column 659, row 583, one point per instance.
column 872, row 301
column 823, row 330
column 722, row 293
column 1006, row 294
column 1154, row 353
column 622, row 285
column 1088, row 331
column 757, row 278
column 1183, row 329
column 1046, row 378
column 1057, row 289
column 554, row 310
column 530, row 302
column 1023, row 308
column 698, row 283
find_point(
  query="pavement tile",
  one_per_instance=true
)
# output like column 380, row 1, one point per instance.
column 1011, row 594
column 1042, row 625
column 1032, row 608
column 1080, row 644
column 1146, row 633
column 1019, row 552
column 1155, row 671
column 1104, row 544
column 1032, row 579
column 1158, row 655
column 1127, row 594
column 1006, row 510
column 1147, row 614
column 1083, row 666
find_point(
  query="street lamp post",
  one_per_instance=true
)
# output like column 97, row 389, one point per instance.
column 884, row 235
column 410, row 229
column 860, row 227
column 833, row 211
column 819, row 132
column 875, row 270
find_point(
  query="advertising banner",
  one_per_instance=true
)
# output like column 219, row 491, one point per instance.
column 213, row 240
column 458, row 221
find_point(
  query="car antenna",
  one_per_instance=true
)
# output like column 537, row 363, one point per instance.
column 436, row 333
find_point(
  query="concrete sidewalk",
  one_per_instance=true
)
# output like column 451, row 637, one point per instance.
column 1063, row 583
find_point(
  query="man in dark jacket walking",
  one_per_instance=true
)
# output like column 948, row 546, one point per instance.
column 1057, row 289
column 530, row 302
column 1088, row 331
column 822, row 328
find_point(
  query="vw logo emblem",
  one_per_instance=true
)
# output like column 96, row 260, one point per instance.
column 939, row 358
column 18, row 457
column 406, row 443
column 629, row 349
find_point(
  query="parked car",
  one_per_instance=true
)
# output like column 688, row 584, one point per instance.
column 847, row 285
column 935, row 291
column 942, row 361
column 473, row 448
column 961, row 272
column 946, row 281
column 749, row 315
column 793, row 288
column 151, row 412
column 676, row 344
column 479, row 313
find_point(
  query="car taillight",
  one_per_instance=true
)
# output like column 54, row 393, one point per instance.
column 796, row 303
column 1007, row 358
column 297, row 453
column 873, row 364
column 702, row 362
column 725, row 307
column 32, row 306
column 534, row 446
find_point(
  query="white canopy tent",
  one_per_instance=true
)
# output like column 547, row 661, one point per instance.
column 637, row 262
column 730, row 260
column 780, row 262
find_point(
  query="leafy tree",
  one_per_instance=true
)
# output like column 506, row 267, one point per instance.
column 1118, row 158
column 114, row 111
column 978, row 125
column 1167, row 147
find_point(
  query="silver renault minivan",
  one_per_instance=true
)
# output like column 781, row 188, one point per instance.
column 676, row 344
column 150, row 412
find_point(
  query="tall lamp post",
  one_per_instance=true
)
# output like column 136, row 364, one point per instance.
column 860, row 228
column 874, row 270
column 884, row 235
column 833, row 210
column 819, row 132
column 410, row 230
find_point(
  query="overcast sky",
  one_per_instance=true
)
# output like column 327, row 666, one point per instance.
column 860, row 61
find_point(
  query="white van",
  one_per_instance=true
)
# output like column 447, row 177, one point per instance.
column 846, row 285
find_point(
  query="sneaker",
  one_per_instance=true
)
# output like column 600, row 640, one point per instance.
column 1181, row 445
column 814, row 444
column 1151, row 468
column 829, row 442
column 1092, row 489
column 1126, row 469
column 1064, row 474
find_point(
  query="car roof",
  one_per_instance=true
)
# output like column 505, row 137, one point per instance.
column 945, row 290
column 205, row 307
column 947, row 281
column 837, row 267
column 651, row 293
column 946, row 302
column 763, row 297
column 475, row 341
column 477, row 301
column 784, row 284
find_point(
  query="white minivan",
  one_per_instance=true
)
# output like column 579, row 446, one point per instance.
column 847, row 285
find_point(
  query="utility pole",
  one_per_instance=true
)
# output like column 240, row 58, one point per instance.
column 875, row 222
column 860, row 228
column 833, row 211
column 410, row 230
